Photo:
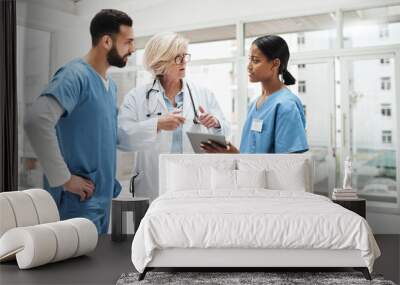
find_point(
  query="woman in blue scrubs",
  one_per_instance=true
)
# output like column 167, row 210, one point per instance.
column 275, row 122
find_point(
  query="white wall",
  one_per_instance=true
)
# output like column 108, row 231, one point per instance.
column 33, row 61
column 70, row 36
column 67, row 45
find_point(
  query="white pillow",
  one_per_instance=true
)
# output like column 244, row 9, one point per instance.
column 227, row 179
column 284, row 172
column 182, row 177
column 251, row 178
column 223, row 179
column 294, row 180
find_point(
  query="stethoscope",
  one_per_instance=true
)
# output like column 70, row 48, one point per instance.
column 148, row 115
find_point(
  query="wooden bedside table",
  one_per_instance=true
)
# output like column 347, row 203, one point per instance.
column 357, row 206
column 137, row 205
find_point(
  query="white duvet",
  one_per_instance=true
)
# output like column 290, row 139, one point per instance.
column 250, row 219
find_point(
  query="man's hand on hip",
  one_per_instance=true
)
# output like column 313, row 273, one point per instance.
column 79, row 186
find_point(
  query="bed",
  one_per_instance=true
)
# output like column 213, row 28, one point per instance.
column 246, row 211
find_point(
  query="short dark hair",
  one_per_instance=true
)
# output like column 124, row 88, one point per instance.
column 107, row 22
column 273, row 46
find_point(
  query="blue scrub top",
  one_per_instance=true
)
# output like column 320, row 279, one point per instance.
column 283, row 125
column 87, row 136
column 176, row 146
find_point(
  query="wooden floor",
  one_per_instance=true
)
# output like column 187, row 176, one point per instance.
column 110, row 260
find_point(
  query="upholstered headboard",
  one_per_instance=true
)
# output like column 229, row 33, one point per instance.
column 285, row 169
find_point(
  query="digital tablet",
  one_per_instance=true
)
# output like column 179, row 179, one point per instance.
column 196, row 139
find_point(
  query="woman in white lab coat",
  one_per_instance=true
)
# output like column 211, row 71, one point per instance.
column 154, row 118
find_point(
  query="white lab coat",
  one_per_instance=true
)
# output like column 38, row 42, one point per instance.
column 137, row 132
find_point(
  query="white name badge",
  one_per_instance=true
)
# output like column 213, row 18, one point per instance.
column 256, row 125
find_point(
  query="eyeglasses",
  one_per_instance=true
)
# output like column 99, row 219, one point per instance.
column 182, row 58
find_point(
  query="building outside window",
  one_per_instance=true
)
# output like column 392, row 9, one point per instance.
column 302, row 86
column 383, row 32
column 385, row 61
column 375, row 26
column 301, row 39
column 386, row 110
column 385, row 83
column 387, row 137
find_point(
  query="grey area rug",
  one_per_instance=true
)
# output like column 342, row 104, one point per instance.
column 229, row 278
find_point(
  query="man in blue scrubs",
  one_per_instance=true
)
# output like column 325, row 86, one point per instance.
column 72, row 126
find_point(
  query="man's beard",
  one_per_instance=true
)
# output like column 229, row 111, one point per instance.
column 114, row 59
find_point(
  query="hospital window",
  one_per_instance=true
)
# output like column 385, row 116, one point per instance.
column 385, row 83
column 383, row 31
column 212, row 49
column 386, row 110
column 299, row 66
column 371, row 26
column 302, row 86
column 385, row 61
column 387, row 137
column 301, row 39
